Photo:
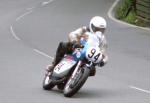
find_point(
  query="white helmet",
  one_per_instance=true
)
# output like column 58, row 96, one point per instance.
column 97, row 23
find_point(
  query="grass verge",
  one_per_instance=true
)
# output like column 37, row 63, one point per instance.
column 125, row 11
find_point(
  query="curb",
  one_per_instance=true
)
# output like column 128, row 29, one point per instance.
column 111, row 16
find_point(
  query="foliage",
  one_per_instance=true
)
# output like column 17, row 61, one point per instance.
column 126, row 12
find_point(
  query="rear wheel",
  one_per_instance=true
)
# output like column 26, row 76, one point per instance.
column 47, row 82
column 72, row 87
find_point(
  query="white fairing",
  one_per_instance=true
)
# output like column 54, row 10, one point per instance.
column 63, row 67
column 93, row 54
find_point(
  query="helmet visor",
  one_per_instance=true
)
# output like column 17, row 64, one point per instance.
column 95, row 29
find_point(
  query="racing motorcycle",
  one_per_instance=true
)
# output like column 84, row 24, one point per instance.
column 73, row 70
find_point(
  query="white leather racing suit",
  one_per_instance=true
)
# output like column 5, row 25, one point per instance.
column 84, row 33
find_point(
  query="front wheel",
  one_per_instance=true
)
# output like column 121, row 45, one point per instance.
column 47, row 82
column 71, row 88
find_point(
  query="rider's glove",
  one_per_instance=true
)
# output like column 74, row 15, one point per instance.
column 102, row 62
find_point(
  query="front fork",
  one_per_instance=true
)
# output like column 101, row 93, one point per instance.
column 76, row 69
column 75, row 73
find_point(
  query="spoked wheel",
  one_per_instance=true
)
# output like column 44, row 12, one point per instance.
column 47, row 82
column 74, row 84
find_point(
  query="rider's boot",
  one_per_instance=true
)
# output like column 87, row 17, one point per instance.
column 59, row 55
column 50, row 67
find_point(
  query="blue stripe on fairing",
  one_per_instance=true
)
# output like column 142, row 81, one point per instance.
column 83, row 52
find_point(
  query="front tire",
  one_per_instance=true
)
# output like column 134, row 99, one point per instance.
column 69, row 90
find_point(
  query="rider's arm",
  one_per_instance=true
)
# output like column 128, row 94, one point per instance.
column 103, row 44
column 77, row 34
column 103, row 48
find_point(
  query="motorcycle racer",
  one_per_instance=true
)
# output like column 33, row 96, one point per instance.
column 94, row 33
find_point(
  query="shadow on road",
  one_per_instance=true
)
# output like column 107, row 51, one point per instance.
column 89, row 93
column 93, row 93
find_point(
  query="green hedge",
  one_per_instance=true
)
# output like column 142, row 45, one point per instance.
column 126, row 12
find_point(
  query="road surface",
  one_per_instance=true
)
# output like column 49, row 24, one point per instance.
column 30, row 31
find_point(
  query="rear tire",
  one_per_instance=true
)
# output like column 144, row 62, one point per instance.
column 47, row 82
column 69, row 90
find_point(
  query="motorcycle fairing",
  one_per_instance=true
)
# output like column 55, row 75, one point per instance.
column 64, row 66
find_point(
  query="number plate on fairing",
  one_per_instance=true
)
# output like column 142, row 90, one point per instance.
column 63, row 67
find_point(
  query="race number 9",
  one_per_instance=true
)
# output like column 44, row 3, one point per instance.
column 94, row 55
column 91, row 54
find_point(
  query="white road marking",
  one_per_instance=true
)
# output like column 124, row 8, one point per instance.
column 42, row 53
column 31, row 8
column 109, row 13
column 26, row 13
column 139, row 89
column 37, row 51
column 111, row 10
column 47, row 2
column 13, row 34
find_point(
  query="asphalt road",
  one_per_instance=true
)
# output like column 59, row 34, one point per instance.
column 30, row 31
